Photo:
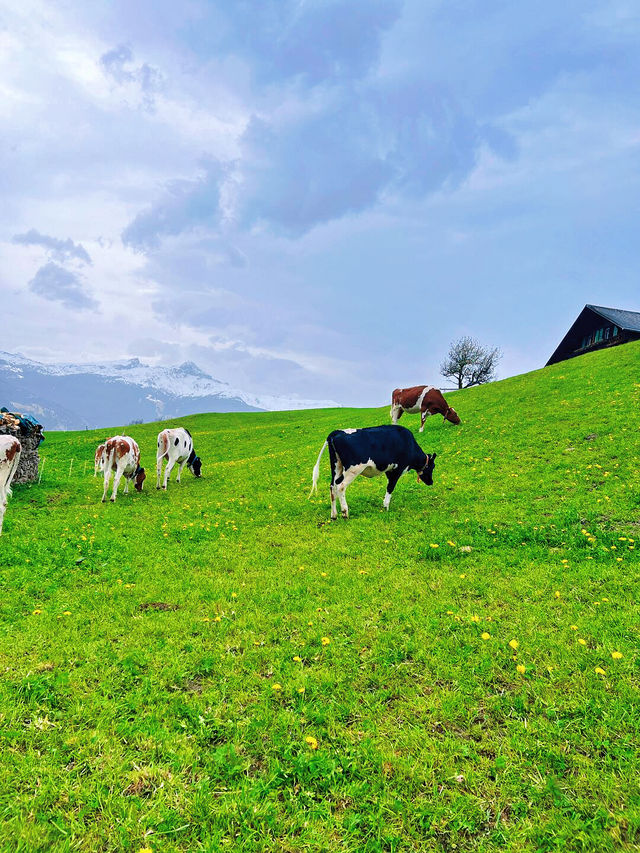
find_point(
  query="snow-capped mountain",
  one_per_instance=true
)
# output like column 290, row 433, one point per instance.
column 77, row 396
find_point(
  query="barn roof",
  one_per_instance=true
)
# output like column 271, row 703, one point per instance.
column 624, row 319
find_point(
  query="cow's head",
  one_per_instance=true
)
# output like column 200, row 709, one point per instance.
column 139, row 478
column 452, row 416
column 196, row 466
column 426, row 475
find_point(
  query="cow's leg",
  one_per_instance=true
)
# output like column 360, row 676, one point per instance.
column 423, row 416
column 158, row 470
column 167, row 472
column 336, row 471
column 392, row 479
column 107, row 479
column 116, row 482
column 342, row 483
column 180, row 467
column 125, row 491
column 396, row 413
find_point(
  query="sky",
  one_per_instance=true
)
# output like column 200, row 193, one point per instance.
column 314, row 198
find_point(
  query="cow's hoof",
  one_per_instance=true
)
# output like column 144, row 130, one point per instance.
column 104, row 500
column 157, row 487
column 113, row 500
column 345, row 514
column 334, row 517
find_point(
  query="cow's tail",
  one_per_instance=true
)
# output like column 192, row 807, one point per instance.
column 316, row 471
column 163, row 445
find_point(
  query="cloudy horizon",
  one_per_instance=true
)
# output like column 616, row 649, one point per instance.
column 314, row 198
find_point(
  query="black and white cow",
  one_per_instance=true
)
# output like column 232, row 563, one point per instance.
column 390, row 450
column 176, row 446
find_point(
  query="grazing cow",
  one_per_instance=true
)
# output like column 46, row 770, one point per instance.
column 424, row 399
column 390, row 450
column 99, row 459
column 176, row 445
column 121, row 455
column 10, row 449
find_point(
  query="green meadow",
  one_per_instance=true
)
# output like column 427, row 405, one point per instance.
column 219, row 667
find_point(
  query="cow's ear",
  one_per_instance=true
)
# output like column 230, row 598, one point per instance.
column 433, row 456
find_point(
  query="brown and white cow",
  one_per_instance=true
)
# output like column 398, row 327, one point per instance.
column 424, row 399
column 10, row 449
column 121, row 457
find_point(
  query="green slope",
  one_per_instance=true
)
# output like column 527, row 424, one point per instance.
column 185, row 729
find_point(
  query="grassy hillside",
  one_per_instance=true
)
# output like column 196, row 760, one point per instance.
column 460, row 673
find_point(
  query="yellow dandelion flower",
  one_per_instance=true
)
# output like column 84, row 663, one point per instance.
column 582, row 642
column 311, row 742
column 573, row 627
column 433, row 545
column 234, row 595
column 277, row 687
column 463, row 576
column 557, row 593
column 521, row 668
column 36, row 612
column 145, row 850
column 600, row 670
column 514, row 644
column 301, row 689
column 616, row 655
column 297, row 658
column 323, row 574
column 449, row 612
column 485, row 635
column 325, row 641
column 475, row 618
column 449, row 542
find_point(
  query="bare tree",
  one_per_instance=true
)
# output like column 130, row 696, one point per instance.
column 469, row 364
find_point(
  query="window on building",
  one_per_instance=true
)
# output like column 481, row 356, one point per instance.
column 615, row 331
column 607, row 332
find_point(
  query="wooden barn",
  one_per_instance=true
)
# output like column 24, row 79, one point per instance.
column 595, row 328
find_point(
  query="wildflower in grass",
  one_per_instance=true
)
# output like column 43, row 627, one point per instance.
column 297, row 658
column 514, row 644
column 600, row 670
column 485, row 635
column 582, row 642
column 616, row 655
column 301, row 690
column 557, row 593
column 475, row 618
column 449, row 542
column 323, row 574
column 325, row 641
column 234, row 595
column 363, row 572
column 311, row 742
column 619, row 559
column 206, row 619
column 218, row 619
column 463, row 576
column 521, row 668
column 449, row 612
column 434, row 545
column 36, row 612
column 66, row 613
column 277, row 687
column 465, row 548
column 145, row 850
column 573, row 627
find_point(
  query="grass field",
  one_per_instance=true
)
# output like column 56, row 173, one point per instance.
column 219, row 667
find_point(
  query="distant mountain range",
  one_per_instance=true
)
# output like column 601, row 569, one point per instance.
column 79, row 396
